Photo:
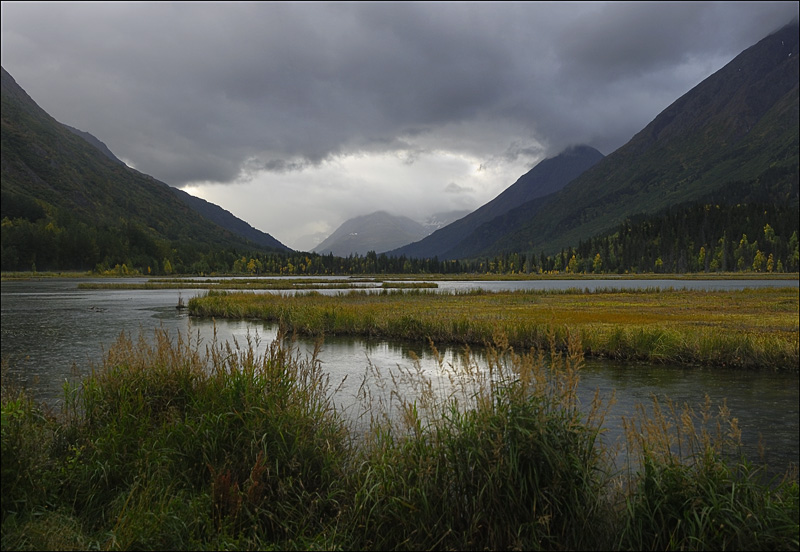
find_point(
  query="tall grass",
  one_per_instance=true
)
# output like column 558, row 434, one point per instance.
column 166, row 445
column 504, row 458
column 178, row 444
column 689, row 480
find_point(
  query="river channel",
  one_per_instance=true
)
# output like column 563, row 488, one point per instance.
column 52, row 332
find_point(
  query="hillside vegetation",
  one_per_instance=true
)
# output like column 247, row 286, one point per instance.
column 67, row 205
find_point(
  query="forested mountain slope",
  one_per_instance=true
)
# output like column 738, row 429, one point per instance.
column 740, row 125
column 68, row 205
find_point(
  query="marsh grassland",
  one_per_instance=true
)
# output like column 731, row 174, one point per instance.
column 754, row 328
column 173, row 444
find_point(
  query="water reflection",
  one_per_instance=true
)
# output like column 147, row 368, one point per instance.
column 52, row 332
column 765, row 404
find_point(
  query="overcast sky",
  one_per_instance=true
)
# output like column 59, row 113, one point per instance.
column 298, row 116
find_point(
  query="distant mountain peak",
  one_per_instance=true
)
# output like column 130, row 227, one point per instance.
column 378, row 231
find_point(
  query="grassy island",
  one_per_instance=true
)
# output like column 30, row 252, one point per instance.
column 753, row 328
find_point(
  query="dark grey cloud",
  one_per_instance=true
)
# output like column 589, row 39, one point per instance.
column 220, row 92
column 191, row 91
column 620, row 64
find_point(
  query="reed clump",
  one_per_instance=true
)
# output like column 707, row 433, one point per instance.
column 500, row 457
column 169, row 446
column 686, row 478
column 176, row 444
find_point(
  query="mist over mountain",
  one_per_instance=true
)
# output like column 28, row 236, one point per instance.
column 548, row 176
column 377, row 232
column 380, row 232
column 439, row 220
column 737, row 125
column 229, row 221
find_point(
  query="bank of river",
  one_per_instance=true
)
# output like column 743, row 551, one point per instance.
column 50, row 327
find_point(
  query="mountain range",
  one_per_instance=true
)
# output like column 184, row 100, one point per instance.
column 68, row 202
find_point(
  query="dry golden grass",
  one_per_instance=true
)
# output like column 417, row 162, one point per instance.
column 755, row 328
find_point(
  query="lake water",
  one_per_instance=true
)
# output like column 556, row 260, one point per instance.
column 52, row 332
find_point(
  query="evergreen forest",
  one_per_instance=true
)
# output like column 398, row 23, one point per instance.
column 698, row 237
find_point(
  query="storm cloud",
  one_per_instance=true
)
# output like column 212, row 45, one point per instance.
column 274, row 98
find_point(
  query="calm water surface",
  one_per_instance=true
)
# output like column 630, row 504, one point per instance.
column 52, row 332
